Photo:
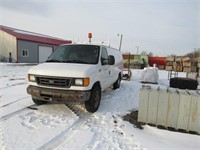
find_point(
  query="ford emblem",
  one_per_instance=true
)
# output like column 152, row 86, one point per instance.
column 51, row 81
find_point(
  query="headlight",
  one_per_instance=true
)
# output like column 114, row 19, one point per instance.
column 79, row 82
column 82, row 82
column 31, row 78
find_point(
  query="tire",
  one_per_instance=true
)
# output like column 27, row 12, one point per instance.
column 92, row 104
column 116, row 85
column 38, row 102
column 184, row 83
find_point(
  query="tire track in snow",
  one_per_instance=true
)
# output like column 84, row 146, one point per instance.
column 15, row 101
column 12, row 85
column 15, row 113
column 103, row 134
column 2, row 147
column 49, row 115
column 107, row 136
column 51, row 119
column 59, row 140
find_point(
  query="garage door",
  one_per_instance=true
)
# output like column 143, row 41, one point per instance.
column 44, row 53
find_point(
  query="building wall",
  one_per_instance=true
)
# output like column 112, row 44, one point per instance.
column 136, row 61
column 8, row 44
column 32, row 49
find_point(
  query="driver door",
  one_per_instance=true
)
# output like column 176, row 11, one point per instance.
column 105, row 69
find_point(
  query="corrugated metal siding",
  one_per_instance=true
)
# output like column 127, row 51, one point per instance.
column 33, row 48
column 7, row 45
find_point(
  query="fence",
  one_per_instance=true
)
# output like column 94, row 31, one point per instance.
column 177, row 109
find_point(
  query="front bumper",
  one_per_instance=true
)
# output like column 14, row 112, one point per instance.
column 56, row 95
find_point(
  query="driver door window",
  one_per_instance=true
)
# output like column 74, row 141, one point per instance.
column 104, row 56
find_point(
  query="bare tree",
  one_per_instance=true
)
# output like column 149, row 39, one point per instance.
column 150, row 54
column 144, row 53
column 194, row 54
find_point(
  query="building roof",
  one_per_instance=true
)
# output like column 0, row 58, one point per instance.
column 33, row 37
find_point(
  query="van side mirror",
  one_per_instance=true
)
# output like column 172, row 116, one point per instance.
column 104, row 61
column 111, row 60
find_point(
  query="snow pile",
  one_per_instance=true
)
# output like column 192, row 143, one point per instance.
column 150, row 75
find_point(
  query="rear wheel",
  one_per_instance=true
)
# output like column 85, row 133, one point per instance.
column 38, row 102
column 116, row 85
column 92, row 104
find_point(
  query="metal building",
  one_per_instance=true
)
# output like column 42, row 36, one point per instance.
column 21, row 46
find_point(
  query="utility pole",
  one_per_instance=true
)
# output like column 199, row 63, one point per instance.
column 137, row 49
column 120, row 44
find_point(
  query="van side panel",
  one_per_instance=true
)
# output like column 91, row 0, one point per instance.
column 117, row 68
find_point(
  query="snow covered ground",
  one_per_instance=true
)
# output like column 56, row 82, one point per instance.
column 25, row 126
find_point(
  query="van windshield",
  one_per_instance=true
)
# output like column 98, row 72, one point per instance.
column 84, row 54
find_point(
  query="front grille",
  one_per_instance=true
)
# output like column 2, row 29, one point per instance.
column 54, row 82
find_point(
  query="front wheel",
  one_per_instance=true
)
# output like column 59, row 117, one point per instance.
column 92, row 104
column 38, row 102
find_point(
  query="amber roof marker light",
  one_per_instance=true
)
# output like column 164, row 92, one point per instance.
column 90, row 37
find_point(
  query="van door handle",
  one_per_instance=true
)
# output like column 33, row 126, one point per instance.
column 109, row 72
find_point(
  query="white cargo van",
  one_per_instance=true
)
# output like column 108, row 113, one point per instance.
column 76, row 73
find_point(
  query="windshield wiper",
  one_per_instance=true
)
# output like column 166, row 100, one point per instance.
column 76, row 61
column 53, row 60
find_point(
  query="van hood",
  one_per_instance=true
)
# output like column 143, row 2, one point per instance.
column 63, row 69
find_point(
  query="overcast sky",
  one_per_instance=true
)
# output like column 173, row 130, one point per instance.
column 162, row 27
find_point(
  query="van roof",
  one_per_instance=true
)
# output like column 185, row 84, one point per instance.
column 94, row 44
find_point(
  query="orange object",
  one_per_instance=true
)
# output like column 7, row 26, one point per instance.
column 86, row 81
column 89, row 35
column 159, row 61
